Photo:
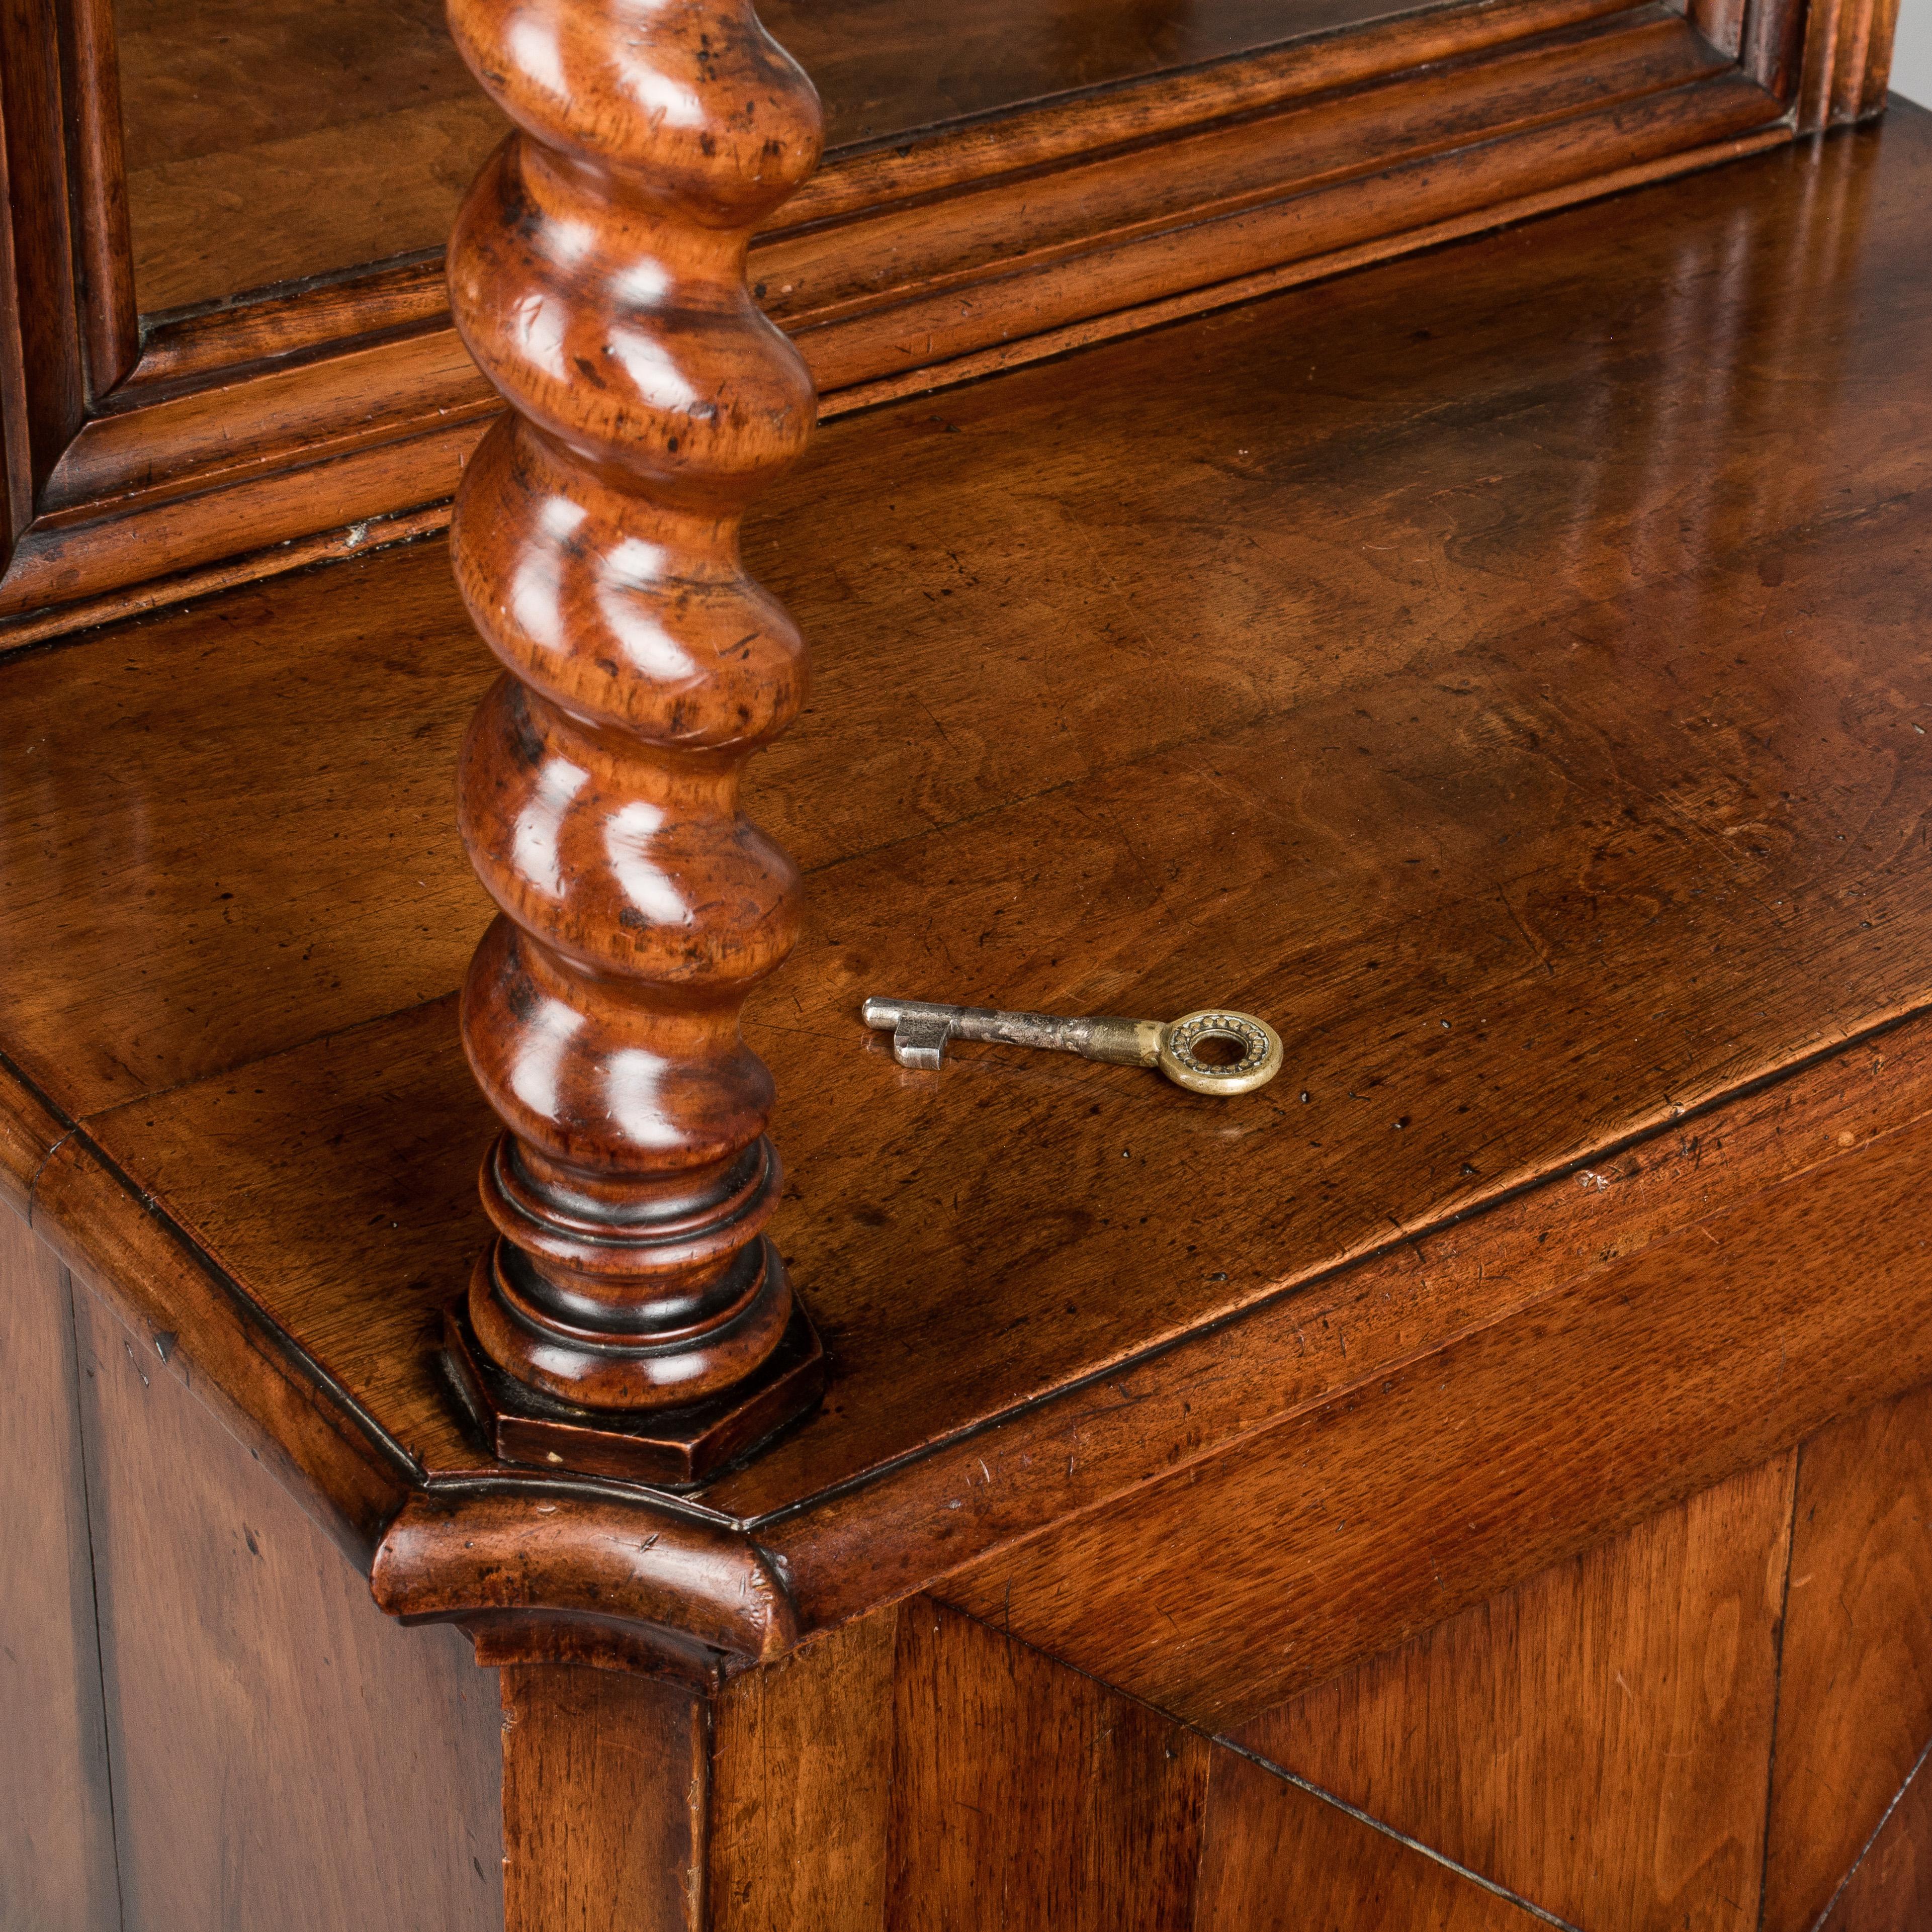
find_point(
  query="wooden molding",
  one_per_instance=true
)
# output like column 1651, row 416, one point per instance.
column 1847, row 61
column 564, row 1570
column 919, row 264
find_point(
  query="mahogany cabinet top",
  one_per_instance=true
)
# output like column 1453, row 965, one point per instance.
column 1505, row 669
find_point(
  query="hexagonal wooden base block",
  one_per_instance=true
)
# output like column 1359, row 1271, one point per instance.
column 672, row 1448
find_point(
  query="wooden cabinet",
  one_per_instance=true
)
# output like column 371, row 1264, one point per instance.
column 1478, row 1481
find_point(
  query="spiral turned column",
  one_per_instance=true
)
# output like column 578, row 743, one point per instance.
column 632, row 1315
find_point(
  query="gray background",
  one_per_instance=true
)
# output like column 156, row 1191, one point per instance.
column 1912, row 57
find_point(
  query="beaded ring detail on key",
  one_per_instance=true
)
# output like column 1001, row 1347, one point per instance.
column 1258, row 1044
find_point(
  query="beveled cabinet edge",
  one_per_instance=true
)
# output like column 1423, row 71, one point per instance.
column 233, row 469
column 565, row 1568
column 1316, row 1341
column 536, row 1568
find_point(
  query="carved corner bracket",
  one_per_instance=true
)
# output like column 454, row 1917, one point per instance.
column 561, row 1571
column 632, row 1316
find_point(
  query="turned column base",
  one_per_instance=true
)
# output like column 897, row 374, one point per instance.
column 669, row 1448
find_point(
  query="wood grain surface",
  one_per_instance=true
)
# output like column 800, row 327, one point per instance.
column 595, row 545
column 803, row 1783
column 604, row 1785
column 267, row 142
column 1855, row 1702
column 1111, row 1793
column 1890, row 1890
column 1276, row 1859
column 1219, row 1591
column 1600, row 1740
column 1612, row 903
column 966, row 244
column 57, row 1855
column 919, row 1771
column 261, row 1714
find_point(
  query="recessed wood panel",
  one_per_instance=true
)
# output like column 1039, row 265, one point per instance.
column 283, row 1755
column 1855, row 1709
column 1598, row 1740
column 1279, row 1859
column 56, row 1831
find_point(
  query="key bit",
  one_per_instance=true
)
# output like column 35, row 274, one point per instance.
column 920, row 1029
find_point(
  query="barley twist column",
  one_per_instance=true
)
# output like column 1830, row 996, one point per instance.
column 632, row 1315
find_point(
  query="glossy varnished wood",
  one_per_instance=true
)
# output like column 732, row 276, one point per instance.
column 1511, row 779
column 293, row 949
column 968, row 245
column 1222, row 1589
column 595, row 544
column 268, row 143
column 1529, row 719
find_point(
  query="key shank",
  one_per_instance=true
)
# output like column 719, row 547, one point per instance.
column 920, row 1029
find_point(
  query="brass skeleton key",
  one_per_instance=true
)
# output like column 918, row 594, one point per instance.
column 1246, row 1052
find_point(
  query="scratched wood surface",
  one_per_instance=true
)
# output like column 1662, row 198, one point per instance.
column 1233, row 1583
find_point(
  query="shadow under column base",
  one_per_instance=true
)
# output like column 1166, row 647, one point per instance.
column 669, row 1448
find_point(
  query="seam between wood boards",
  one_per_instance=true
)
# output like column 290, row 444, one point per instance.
column 94, row 1594
column 1216, row 1741
column 1777, row 1676
column 1818, row 1924
column 1415, row 1845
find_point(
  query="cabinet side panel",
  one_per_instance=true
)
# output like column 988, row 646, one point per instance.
column 56, row 1844
column 283, row 1755
column 1855, row 1702
column 1597, row 1740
